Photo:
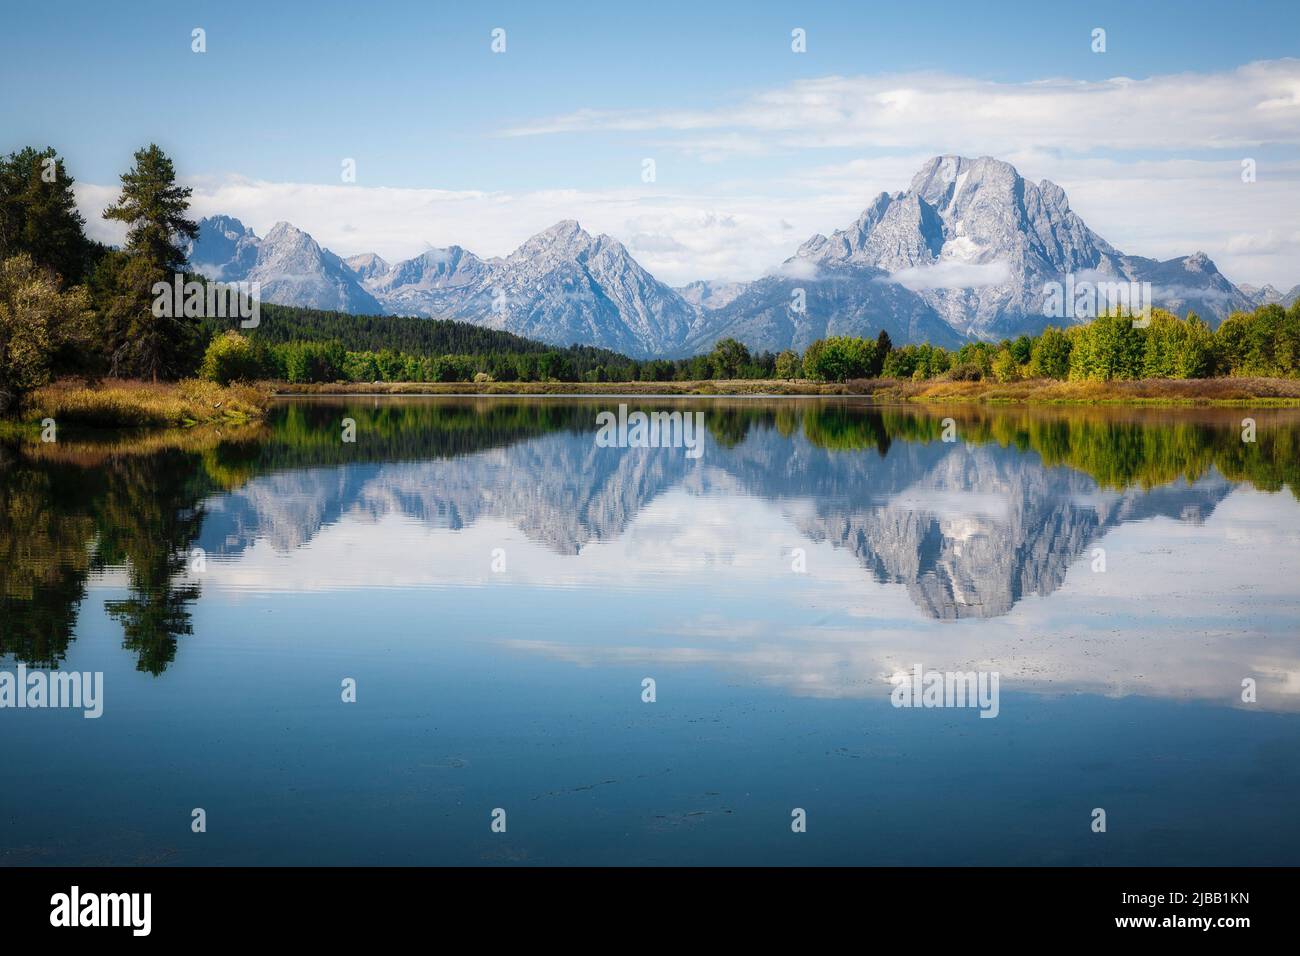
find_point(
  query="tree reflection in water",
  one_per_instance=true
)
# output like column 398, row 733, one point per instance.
column 136, row 504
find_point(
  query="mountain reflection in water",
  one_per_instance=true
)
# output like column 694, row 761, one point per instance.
column 968, row 528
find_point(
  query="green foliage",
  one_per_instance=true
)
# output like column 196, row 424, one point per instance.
column 1005, row 367
column 1109, row 347
column 1162, row 340
column 300, row 362
column 1021, row 349
column 154, row 207
column 1265, row 342
column 37, row 317
column 1196, row 357
column 899, row 363
column 453, row 368
column 1049, row 356
column 141, row 338
column 884, row 345
column 917, row 362
column 231, row 357
column 728, row 358
column 839, row 358
column 38, row 214
column 788, row 365
column 400, row 348
column 978, row 354
column 361, row 367
column 141, row 341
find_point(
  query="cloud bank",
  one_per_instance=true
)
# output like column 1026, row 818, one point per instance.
column 1153, row 165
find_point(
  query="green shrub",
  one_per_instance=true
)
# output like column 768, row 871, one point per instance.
column 1005, row 368
column 37, row 318
column 230, row 357
column 965, row 372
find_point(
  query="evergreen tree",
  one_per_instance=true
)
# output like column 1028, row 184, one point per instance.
column 38, row 214
column 142, row 339
column 884, row 345
column 154, row 207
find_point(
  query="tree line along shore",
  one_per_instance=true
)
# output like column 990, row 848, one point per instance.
column 82, row 341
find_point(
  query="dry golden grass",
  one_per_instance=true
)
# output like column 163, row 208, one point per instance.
column 1159, row 391
column 134, row 404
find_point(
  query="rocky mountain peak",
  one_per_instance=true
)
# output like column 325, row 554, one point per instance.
column 566, row 237
column 367, row 265
column 227, row 226
column 285, row 232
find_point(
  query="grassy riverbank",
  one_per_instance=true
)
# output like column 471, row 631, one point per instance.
column 1193, row 392
column 1254, row 392
column 135, row 404
column 113, row 404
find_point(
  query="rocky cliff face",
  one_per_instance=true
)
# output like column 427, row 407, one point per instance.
column 291, row 267
column 225, row 249
column 367, row 266
column 435, row 283
column 565, row 285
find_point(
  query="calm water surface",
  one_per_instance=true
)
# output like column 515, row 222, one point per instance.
column 499, row 585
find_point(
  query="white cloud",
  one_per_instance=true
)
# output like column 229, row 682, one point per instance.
column 1257, row 103
column 1155, row 205
column 1266, row 242
column 951, row 274
column 797, row 269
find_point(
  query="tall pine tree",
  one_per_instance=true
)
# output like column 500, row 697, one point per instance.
column 883, row 347
column 153, row 206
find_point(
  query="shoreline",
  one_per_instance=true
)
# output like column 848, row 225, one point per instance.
column 132, row 405
column 1220, row 392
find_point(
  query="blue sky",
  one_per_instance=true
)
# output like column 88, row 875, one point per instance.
column 481, row 148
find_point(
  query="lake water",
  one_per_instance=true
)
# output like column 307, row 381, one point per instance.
column 499, row 585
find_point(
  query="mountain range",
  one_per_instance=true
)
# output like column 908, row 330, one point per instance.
column 1269, row 295
column 964, row 253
